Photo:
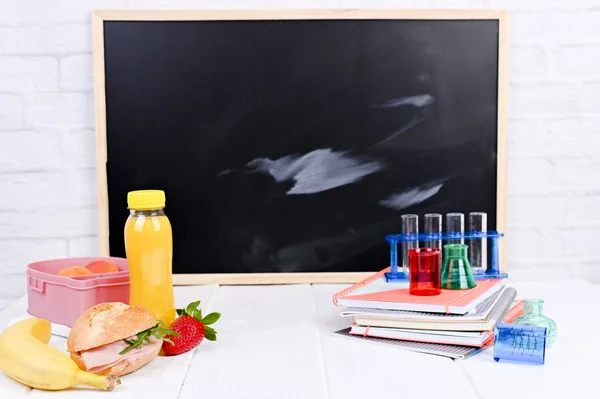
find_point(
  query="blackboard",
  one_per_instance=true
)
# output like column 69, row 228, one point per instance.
column 289, row 143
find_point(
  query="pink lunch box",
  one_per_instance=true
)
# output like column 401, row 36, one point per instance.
column 63, row 299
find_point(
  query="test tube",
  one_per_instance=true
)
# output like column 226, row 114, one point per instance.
column 433, row 225
column 455, row 223
column 410, row 226
column 478, row 246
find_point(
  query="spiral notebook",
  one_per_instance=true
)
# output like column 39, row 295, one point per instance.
column 493, row 309
column 451, row 351
column 446, row 350
column 464, row 338
column 375, row 292
column 479, row 313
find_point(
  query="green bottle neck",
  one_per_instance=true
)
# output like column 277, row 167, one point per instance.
column 533, row 307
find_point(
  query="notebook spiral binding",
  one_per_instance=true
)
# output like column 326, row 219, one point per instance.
column 356, row 286
column 516, row 311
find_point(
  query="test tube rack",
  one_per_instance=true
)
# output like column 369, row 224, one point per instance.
column 395, row 275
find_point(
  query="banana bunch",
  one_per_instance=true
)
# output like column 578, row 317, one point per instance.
column 25, row 356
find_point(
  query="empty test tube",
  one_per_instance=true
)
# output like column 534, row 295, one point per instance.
column 410, row 226
column 433, row 225
column 478, row 246
column 455, row 223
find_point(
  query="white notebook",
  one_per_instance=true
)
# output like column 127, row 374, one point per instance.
column 501, row 305
column 435, row 337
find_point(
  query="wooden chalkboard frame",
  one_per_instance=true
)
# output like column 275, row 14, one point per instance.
column 100, row 16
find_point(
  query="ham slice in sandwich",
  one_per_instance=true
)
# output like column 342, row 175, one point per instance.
column 97, row 339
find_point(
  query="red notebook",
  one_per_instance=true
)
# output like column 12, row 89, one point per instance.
column 376, row 293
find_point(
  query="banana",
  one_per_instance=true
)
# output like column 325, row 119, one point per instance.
column 25, row 356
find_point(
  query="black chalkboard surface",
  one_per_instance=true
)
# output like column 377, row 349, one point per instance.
column 294, row 145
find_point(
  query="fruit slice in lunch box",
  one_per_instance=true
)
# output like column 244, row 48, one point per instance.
column 93, row 268
column 74, row 271
column 102, row 266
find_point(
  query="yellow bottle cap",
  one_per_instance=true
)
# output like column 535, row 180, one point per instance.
column 146, row 199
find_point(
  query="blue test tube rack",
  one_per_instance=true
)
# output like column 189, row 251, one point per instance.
column 395, row 275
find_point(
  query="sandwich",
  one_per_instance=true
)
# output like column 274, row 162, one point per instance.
column 115, row 339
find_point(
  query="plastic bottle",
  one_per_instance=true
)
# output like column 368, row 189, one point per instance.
column 149, row 248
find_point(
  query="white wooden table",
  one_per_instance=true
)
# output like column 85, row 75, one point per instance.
column 277, row 342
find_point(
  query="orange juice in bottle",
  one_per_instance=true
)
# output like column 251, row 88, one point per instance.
column 149, row 248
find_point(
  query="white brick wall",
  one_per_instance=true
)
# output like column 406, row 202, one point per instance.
column 47, row 147
column 12, row 108
column 20, row 73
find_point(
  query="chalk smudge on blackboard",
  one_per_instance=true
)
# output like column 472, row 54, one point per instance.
column 420, row 100
column 225, row 172
column 410, row 197
column 327, row 249
column 316, row 171
column 412, row 123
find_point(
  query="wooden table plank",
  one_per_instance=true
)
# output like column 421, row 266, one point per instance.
column 277, row 341
column 574, row 306
column 9, row 388
column 162, row 378
column 268, row 347
column 570, row 365
column 14, row 310
column 359, row 369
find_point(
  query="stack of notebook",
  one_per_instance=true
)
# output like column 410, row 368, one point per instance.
column 456, row 323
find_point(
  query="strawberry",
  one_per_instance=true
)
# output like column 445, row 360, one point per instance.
column 191, row 333
column 192, row 329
